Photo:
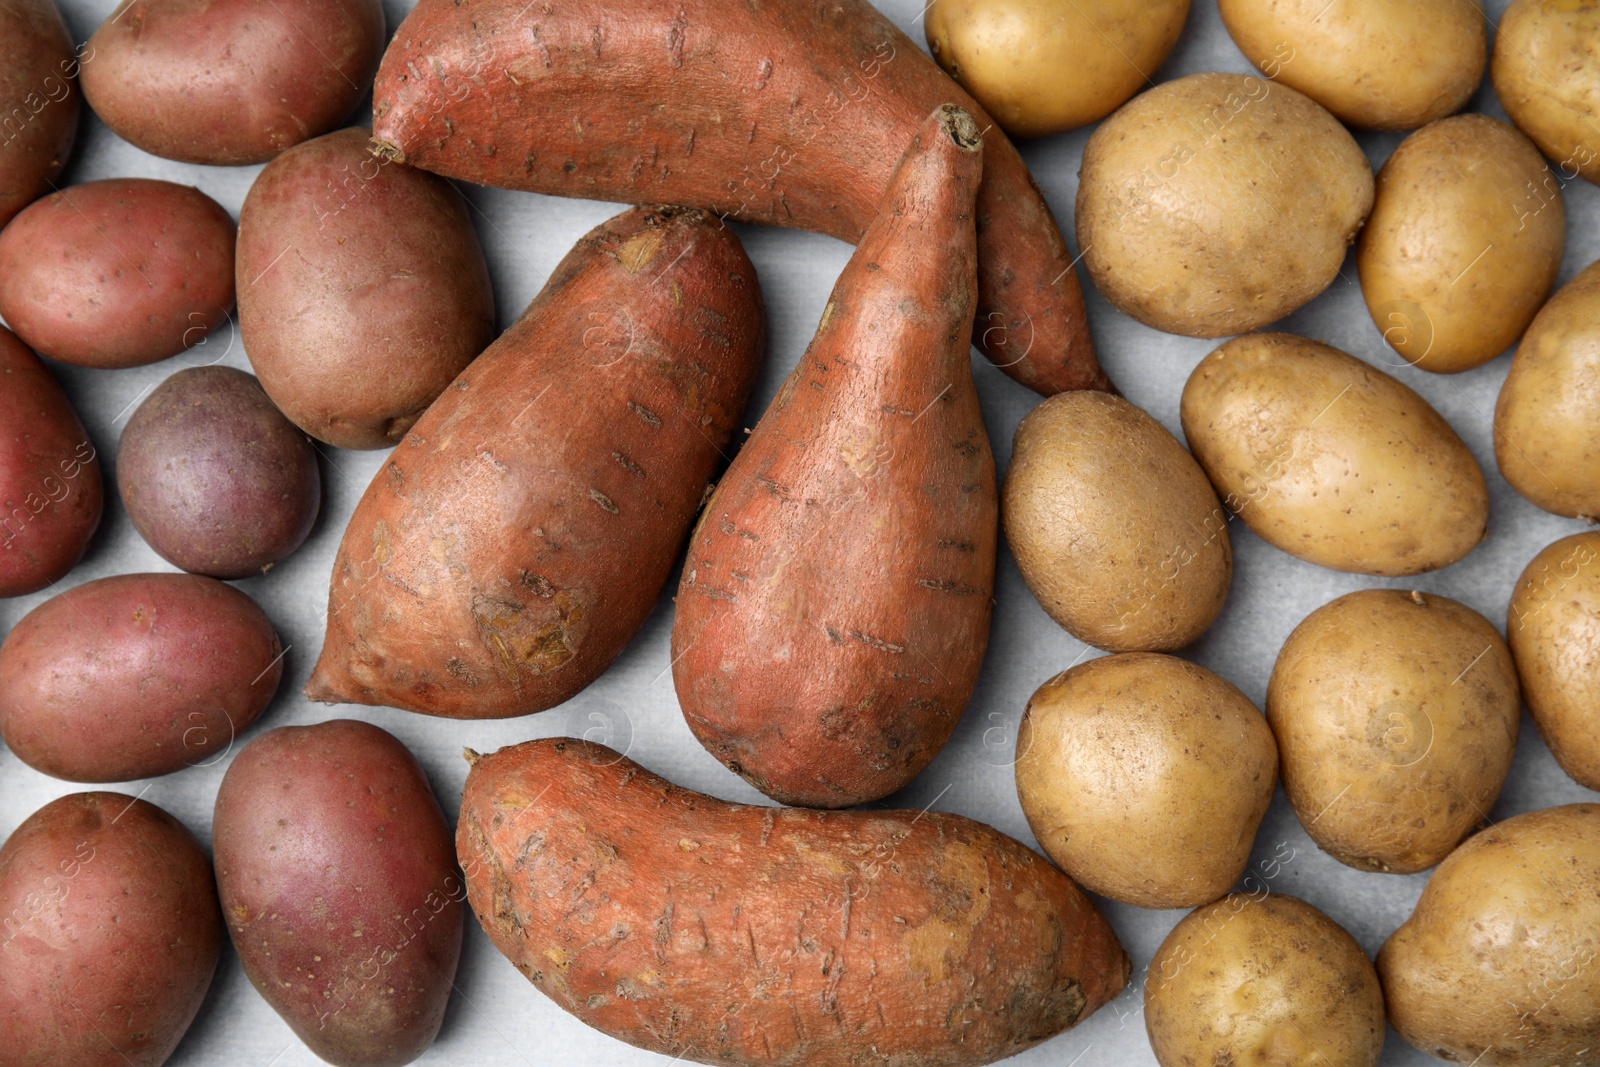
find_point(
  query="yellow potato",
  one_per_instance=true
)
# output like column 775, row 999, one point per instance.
column 1374, row 63
column 1499, row 966
column 1546, row 70
column 1114, row 526
column 1332, row 460
column 1218, row 203
column 1045, row 66
column 1259, row 980
column 1463, row 244
column 1547, row 421
column 1396, row 716
column 1145, row 777
column 1554, row 631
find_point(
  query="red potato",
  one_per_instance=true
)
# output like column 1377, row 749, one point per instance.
column 109, row 934
column 51, row 495
column 744, row 936
column 39, row 101
column 368, row 292
column 136, row 676
column 231, row 81
column 834, row 608
column 117, row 273
column 340, row 887
column 791, row 114
column 520, row 535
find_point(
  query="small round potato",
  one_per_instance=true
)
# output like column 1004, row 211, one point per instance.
column 1373, row 63
column 1464, row 242
column 1218, row 203
column 214, row 477
column 1046, row 66
column 39, row 101
column 1145, row 777
column 1554, row 631
column 383, row 302
column 1396, row 716
column 231, row 81
column 1546, row 72
column 1547, row 420
column 117, row 273
column 1499, row 965
column 1331, row 460
column 1114, row 526
column 1264, row 980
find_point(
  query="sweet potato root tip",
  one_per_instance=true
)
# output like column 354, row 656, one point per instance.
column 962, row 127
column 387, row 152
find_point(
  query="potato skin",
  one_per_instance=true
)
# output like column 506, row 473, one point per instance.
column 521, row 533
column 737, row 935
column 111, row 934
column 1185, row 192
column 1262, row 979
column 1546, row 438
column 214, row 477
column 51, row 492
column 1372, row 63
column 1553, row 627
column 1332, row 460
column 117, row 273
column 1545, row 74
column 338, row 879
column 1497, row 963
column 1396, row 716
column 1041, row 67
column 1145, row 778
column 1114, row 525
column 39, row 101
column 229, row 82
column 135, row 676
column 383, row 301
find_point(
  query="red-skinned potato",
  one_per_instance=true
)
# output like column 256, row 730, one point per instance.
column 135, row 676
column 117, row 273
column 110, row 937
column 51, row 494
column 743, row 936
column 339, row 884
column 231, row 81
column 834, row 608
column 520, row 535
column 39, row 101
column 382, row 301
column 791, row 114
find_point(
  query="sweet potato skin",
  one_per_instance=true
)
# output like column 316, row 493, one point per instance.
column 522, row 531
column 39, row 101
column 790, row 114
column 835, row 604
column 740, row 935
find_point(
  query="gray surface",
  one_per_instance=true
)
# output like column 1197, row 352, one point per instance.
column 497, row 1017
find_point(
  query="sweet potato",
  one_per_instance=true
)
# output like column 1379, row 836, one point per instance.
column 834, row 608
column 742, row 936
column 39, row 101
column 791, row 114
column 521, row 533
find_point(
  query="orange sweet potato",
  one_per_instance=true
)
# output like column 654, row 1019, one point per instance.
column 792, row 114
column 834, row 608
column 522, row 531
column 736, row 935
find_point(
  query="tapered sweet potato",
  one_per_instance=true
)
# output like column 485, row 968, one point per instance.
column 736, row 935
column 521, row 533
column 791, row 114
column 834, row 608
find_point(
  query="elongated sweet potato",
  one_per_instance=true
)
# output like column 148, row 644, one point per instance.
column 521, row 533
column 791, row 114
column 737, row 935
column 834, row 608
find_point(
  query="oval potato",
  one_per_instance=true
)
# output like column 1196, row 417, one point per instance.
column 1332, row 460
column 39, row 101
column 1463, row 244
column 1547, row 75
